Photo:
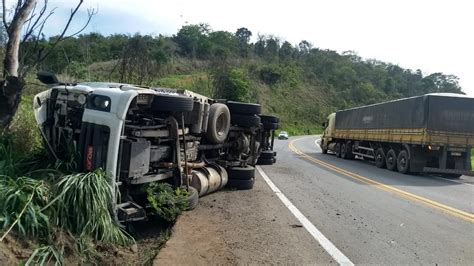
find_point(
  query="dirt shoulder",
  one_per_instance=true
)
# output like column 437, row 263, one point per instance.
column 241, row 227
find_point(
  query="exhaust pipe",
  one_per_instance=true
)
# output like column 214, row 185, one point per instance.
column 209, row 179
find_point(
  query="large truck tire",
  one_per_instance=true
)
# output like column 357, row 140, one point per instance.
column 244, row 108
column 267, row 155
column 241, row 184
column 324, row 150
column 346, row 151
column 391, row 160
column 269, row 118
column 403, row 162
column 380, row 158
column 241, row 173
column 172, row 103
column 269, row 125
column 245, row 120
column 452, row 176
column 218, row 124
column 338, row 150
column 262, row 161
column 193, row 198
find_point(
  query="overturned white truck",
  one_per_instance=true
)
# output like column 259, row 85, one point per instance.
column 140, row 135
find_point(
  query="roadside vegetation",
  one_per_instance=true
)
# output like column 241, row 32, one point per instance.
column 56, row 215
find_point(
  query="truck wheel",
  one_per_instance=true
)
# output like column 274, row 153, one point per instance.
column 269, row 118
column 380, row 158
column 262, row 161
column 193, row 198
column 172, row 103
column 391, row 160
column 344, row 151
column 244, row 108
column 403, row 162
column 218, row 124
column 452, row 176
column 267, row 155
column 269, row 125
column 338, row 150
column 241, row 173
column 241, row 184
column 245, row 120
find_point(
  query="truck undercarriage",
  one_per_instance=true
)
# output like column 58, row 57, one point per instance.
column 140, row 135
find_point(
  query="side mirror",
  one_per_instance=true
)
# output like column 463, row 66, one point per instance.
column 47, row 78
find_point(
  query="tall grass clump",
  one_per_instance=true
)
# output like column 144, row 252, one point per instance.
column 84, row 206
column 21, row 201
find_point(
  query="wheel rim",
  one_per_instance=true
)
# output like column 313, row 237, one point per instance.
column 390, row 159
column 221, row 124
column 379, row 158
column 403, row 162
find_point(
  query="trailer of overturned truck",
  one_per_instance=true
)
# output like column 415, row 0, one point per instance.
column 140, row 135
column 430, row 133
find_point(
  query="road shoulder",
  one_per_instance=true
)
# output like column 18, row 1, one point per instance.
column 241, row 227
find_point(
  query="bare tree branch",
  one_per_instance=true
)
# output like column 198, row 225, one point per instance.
column 4, row 16
column 62, row 36
column 30, row 29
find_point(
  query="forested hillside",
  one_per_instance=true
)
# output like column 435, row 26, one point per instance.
column 300, row 83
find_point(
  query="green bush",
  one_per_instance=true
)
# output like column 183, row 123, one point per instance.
column 167, row 202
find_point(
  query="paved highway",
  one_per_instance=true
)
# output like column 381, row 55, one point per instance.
column 373, row 215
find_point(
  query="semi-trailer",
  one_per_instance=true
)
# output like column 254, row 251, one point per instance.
column 431, row 133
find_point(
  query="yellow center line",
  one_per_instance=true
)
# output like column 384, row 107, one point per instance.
column 433, row 204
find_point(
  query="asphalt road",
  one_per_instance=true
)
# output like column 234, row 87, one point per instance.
column 374, row 216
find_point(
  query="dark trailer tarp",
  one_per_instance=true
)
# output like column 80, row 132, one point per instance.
column 436, row 112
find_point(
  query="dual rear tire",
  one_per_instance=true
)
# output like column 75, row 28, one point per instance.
column 394, row 162
column 241, row 178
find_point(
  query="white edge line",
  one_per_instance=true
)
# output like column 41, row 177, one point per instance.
column 335, row 253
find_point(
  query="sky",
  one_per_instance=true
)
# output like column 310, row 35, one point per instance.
column 431, row 35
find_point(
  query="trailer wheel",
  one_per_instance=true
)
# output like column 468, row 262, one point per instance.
column 245, row 120
column 218, row 124
column 338, row 150
column 403, row 162
column 261, row 161
column 267, row 155
column 346, row 151
column 244, row 108
column 391, row 160
column 269, row 118
column 269, row 125
column 452, row 176
column 380, row 158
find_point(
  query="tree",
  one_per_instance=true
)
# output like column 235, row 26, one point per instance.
column 232, row 84
column 243, row 37
column 305, row 47
column 25, row 19
column 192, row 39
column 142, row 59
column 286, row 51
